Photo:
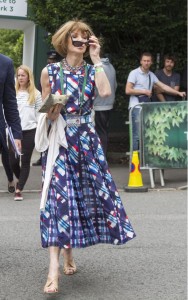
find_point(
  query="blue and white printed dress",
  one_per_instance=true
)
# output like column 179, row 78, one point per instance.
column 83, row 207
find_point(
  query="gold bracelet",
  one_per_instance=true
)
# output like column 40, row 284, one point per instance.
column 99, row 69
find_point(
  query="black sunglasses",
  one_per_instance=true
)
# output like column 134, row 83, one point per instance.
column 78, row 43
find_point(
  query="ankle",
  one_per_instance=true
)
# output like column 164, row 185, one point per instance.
column 68, row 251
column 11, row 183
column 53, row 270
column 68, row 254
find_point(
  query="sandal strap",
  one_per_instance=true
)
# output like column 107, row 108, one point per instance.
column 51, row 282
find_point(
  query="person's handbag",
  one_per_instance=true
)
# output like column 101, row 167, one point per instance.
column 52, row 100
column 145, row 98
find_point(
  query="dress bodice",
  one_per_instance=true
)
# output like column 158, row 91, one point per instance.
column 72, row 83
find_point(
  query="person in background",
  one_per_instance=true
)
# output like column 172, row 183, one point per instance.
column 81, row 206
column 139, row 86
column 29, row 101
column 104, row 106
column 8, row 113
column 168, row 76
column 52, row 57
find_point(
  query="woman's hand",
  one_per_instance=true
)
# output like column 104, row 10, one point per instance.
column 94, row 49
column 54, row 112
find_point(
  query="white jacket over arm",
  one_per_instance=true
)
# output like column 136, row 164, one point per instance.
column 52, row 142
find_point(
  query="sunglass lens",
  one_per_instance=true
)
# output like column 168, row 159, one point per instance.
column 78, row 43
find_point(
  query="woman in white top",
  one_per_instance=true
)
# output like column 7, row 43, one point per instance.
column 29, row 101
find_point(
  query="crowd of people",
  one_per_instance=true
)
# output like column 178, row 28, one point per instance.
column 80, row 205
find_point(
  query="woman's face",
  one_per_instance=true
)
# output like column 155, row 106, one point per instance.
column 22, row 78
column 77, row 42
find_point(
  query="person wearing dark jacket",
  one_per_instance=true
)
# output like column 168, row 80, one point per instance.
column 8, row 114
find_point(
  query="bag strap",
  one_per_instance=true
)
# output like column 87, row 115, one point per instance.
column 149, row 81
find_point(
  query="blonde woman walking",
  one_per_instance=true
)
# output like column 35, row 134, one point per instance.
column 29, row 100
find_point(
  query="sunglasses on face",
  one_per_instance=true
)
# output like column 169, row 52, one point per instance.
column 77, row 43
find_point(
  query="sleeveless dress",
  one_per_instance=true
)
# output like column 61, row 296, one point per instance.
column 83, row 206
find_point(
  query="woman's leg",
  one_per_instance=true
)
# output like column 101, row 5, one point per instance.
column 51, row 285
column 54, row 253
column 69, row 267
column 27, row 150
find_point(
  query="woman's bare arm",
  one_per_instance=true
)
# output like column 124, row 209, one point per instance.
column 46, row 90
column 45, row 84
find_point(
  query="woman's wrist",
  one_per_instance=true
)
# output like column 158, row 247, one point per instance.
column 98, row 65
column 96, row 60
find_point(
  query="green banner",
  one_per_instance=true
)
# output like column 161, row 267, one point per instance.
column 164, row 134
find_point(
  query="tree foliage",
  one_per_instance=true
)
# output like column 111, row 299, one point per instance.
column 127, row 27
column 11, row 44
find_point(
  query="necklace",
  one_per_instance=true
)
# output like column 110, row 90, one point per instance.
column 73, row 69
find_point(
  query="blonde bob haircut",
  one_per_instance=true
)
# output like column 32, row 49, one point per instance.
column 60, row 38
column 31, row 89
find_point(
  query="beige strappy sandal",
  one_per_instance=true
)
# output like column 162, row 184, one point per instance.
column 51, row 286
column 69, row 268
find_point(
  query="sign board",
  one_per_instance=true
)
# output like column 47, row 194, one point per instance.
column 164, row 134
column 13, row 8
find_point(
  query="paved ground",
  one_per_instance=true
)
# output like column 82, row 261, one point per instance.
column 174, row 178
column 151, row 267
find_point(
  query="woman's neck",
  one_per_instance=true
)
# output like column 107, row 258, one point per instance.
column 74, row 61
column 22, row 88
column 73, row 64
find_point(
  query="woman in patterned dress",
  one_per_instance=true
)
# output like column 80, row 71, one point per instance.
column 83, row 207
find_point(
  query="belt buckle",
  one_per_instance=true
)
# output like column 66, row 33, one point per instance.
column 73, row 120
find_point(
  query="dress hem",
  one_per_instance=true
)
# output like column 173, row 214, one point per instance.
column 88, row 245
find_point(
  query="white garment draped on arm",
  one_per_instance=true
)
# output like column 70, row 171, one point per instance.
column 52, row 142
